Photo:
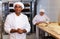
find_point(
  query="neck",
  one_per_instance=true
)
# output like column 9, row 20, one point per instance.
column 17, row 14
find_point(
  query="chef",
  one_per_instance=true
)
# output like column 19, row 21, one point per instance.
column 41, row 18
column 17, row 24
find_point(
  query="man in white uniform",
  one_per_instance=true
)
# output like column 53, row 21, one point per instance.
column 41, row 18
column 17, row 24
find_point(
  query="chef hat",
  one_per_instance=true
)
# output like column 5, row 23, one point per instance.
column 42, row 10
column 20, row 3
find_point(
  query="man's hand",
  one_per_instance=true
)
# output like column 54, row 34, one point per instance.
column 24, row 31
column 19, row 31
column 40, row 22
column 13, row 31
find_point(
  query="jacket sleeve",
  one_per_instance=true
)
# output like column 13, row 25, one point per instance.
column 7, row 24
column 27, row 25
column 35, row 20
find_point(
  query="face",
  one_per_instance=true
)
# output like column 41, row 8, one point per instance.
column 17, row 9
column 41, row 13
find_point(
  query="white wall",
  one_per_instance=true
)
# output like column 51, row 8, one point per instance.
column 52, row 8
column 58, row 9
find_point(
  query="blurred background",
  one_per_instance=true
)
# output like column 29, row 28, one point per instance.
column 32, row 7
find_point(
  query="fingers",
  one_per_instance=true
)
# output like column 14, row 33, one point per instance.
column 12, row 31
column 19, row 31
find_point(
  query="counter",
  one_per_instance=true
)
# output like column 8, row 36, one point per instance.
column 52, row 28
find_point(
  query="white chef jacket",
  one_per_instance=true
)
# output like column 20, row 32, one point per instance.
column 39, row 18
column 14, row 22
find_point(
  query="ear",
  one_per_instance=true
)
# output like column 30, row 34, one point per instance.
column 14, row 9
column 21, row 9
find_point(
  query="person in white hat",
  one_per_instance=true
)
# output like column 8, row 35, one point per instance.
column 41, row 18
column 17, row 24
